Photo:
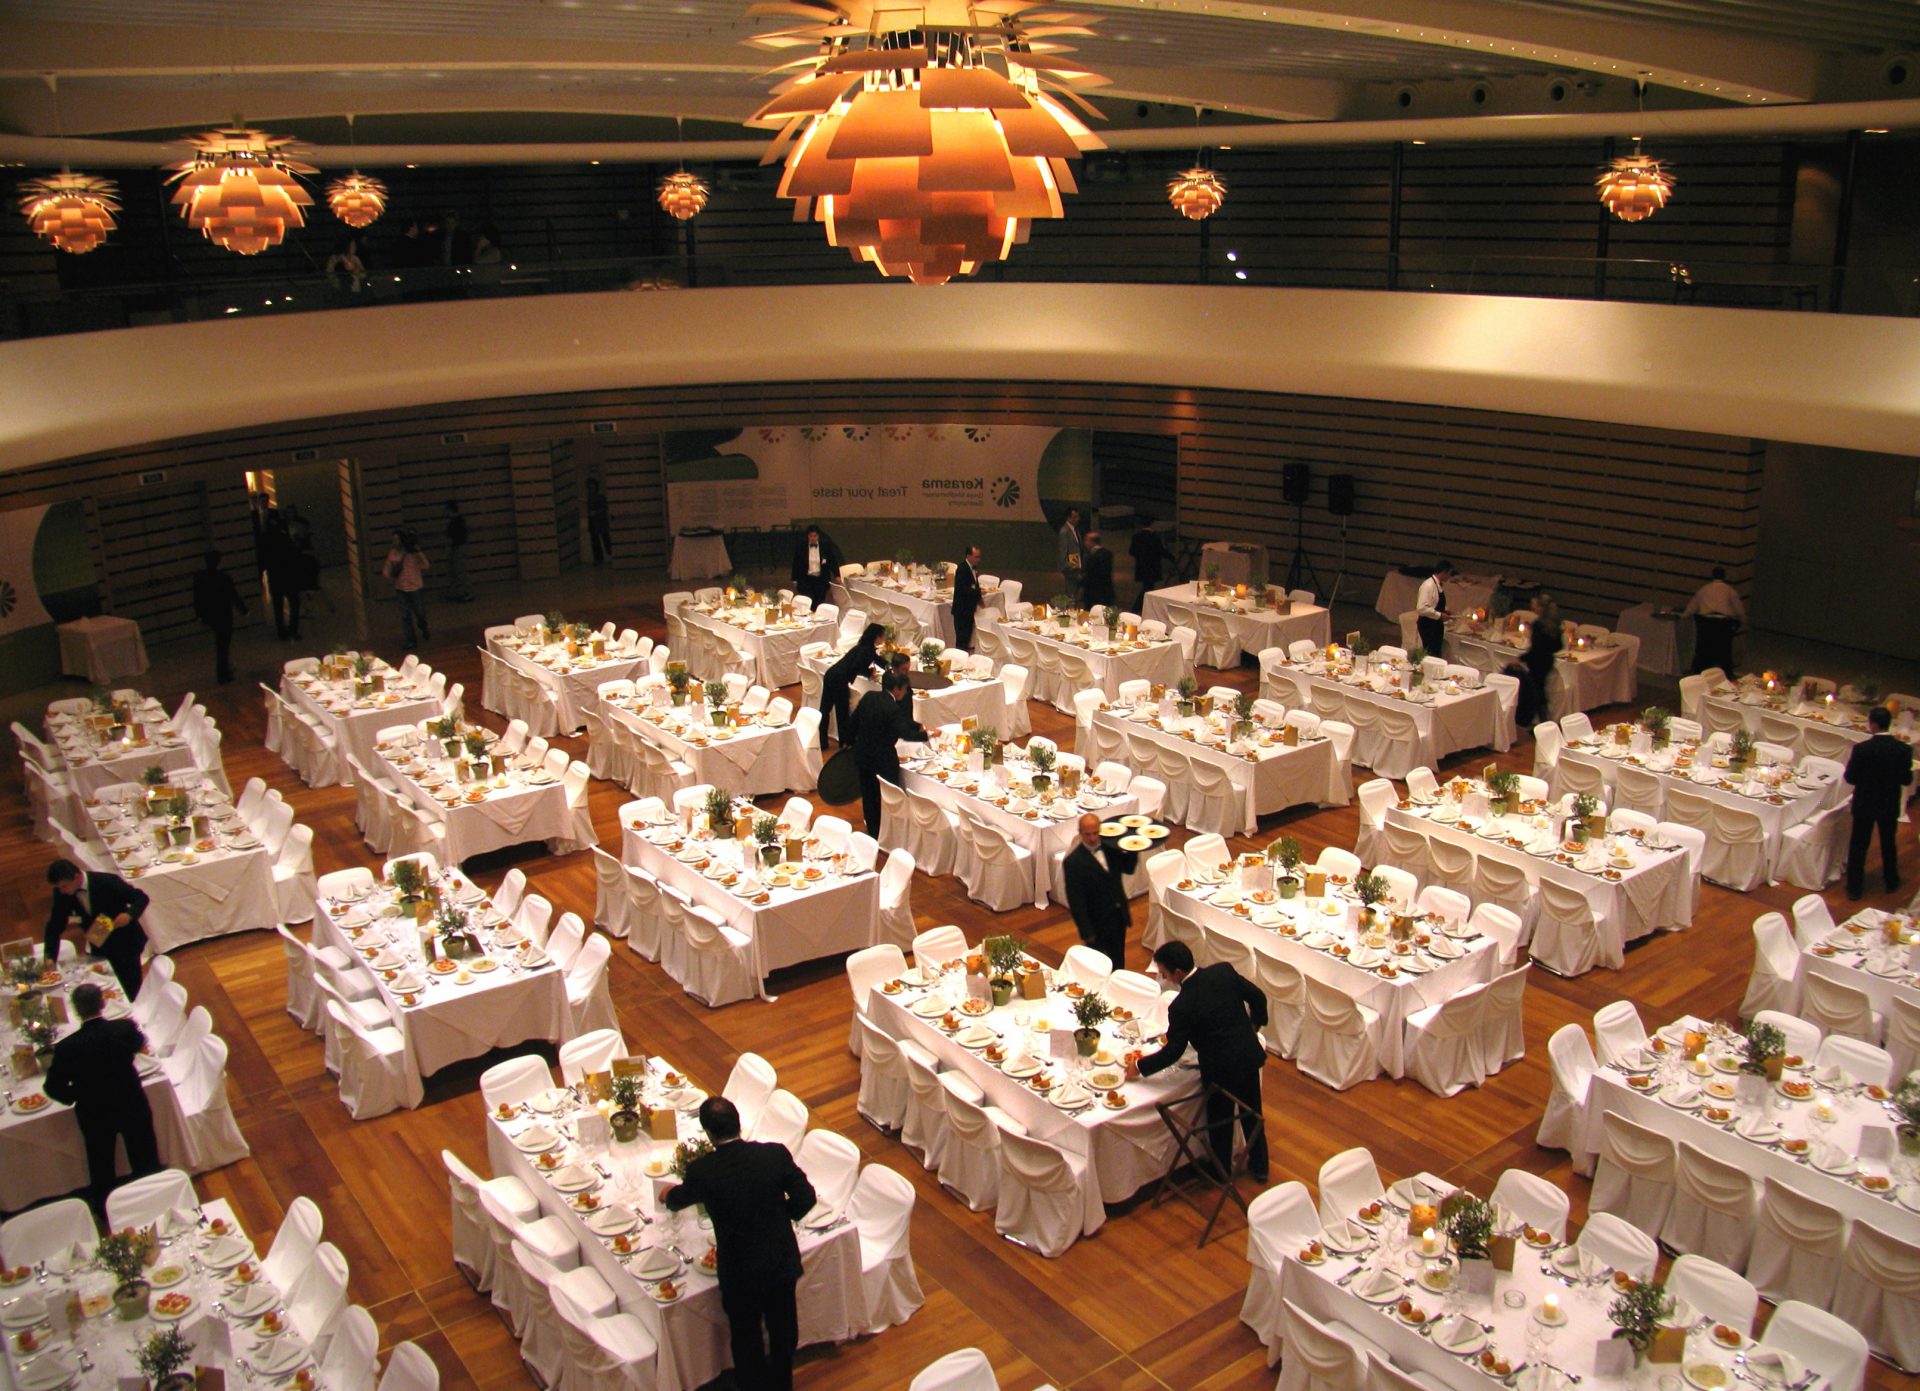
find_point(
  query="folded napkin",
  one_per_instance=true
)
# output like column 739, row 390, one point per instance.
column 1756, row 1128
column 1833, row 1075
column 1460, row 1333
column 1347, row 1236
column 574, row 1176
column 1072, row 1094
column 1681, row 1094
column 657, row 1263
column 609, row 1220
column 1830, row 1157
column 1378, row 1285
column 1364, row 956
column 536, row 1137
column 1771, row 1364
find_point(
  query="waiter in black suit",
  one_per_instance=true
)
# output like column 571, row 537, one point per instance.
column 1096, row 568
column 1096, row 891
column 1430, row 608
column 754, row 1193
column 966, row 598
column 1219, row 1012
column 816, row 565
column 836, row 686
column 93, row 1071
column 80, row 900
column 1149, row 554
column 1880, row 768
column 881, row 720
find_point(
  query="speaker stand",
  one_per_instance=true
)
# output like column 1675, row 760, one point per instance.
column 1340, row 576
column 1302, row 565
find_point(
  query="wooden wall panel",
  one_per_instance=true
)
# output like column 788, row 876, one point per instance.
column 630, row 470
column 409, row 487
column 1140, row 471
column 569, row 503
column 530, row 476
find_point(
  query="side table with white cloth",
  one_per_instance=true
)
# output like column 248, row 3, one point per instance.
column 1254, row 627
column 1400, row 592
column 532, row 805
column 1395, row 731
column 984, row 701
column 1064, row 661
column 103, row 649
column 631, row 1241
column 571, row 684
column 1583, row 679
column 731, row 639
column 355, row 721
column 914, row 611
column 698, row 555
column 449, row 1011
column 1268, row 777
column 756, row 759
column 1234, row 562
column 1666, row 638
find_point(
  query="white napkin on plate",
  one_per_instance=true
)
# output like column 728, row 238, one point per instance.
column 1681, row 1094
column 574, row 1176
column 1379, row 1284
column 1461, row 1333
column 1772, row 1364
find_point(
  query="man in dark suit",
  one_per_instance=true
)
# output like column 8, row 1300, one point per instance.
column 79, row 900
column 1097, row 893
column 1149, row 554
column 880, row 721
column 215, row 602
column 836, row 686
column 1879, row 768
column 754, row 1193
column 966, row 598
column 1070, row 550
column 1220, row 1013
column 816, row 565
column 1096, row 568
column 93, row 1072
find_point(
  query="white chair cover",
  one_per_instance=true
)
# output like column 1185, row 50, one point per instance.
column 142, row 1201
column 970, row 1163
column 1619, row 1244
column 1046, row 1199
column 1878, row 1292
column 1713, row 1210
column 1349, row 1181
column 1444, row 1051
column 1634, row 1176
column 1798, row 1244
column 1538, row 1202
column 1563, row 1126
column 1820, row 1340
column 1339, row 1044
column 1723, row 1295
column 883, row 1076
column 882, row 1213
column 1280, row 1221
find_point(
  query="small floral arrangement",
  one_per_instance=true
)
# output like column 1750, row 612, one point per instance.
column 686, row 1152
column 1416, row 656
column 1091, row 1010
column 903, row 556
column 1468, row 1223
column 1906, row 1103
column 40, row 1033
column 581, row 633
column 1361, row 647
column 766, row 830
column 1503, row 783
column 409, row 878
column 1657, row 719
column 1061, row 603
column 1110, row 616
column 987, row 742
column 1286, row 853
column 1243, row 712
column 1639, row 1310
column 716, row 695
column 363, row 666
column 476, row 743
column 625, row 1091
column 450, row 920
column 153, row 775
column 1585, row 804
column 1742, row 747
column 930, row 651
column 446, row 727
column 1370, row 888
column 1004, row 955
column 555, row 621
column 23, row 970
column 677, row 676
column 165, row 1353
column 124, row 1254
column 719, row 809
column 1187, row 686
column 1041, row 757
column 103, row 700
column 1763, row 1042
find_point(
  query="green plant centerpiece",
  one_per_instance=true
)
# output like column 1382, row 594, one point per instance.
column 1185, row 687
column 719, row 808
column 1416, row 665
column 1586, row 809
column 717, row 702
column 1062, row 606
column 1657, row 720
column 625, row 1120
column 1362, row 647
column 1503, row 791
column 903, row 557
column 988, row 742
column 1004, row 959
column 1285, row 854
column 686, row 1152
column 1090, row 1011
column 153, row 775
column 766, row 834
column 1042, row 758
column 23, row 972
column 930, row 651
column 1764, row 1051
column 1370, row 889
column 555, row 623
column 1740, row 753
column 1638, row 1312
column 456, row 938
column 125, row 1255
column 1243, row 715
column 1906, row 1105
column 678, row 679
column 1110, row 618
column 409, row 880
column 164, row 1356
column 476, row 742
column 40, row 1033
column 447, row 730
column 1468, row 1222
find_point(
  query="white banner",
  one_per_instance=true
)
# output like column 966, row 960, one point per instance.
column 767, row 475
column 19, row 594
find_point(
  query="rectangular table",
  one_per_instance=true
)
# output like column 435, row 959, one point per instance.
column 1856, row 955
column 1393, row 732
column 1253, row 627
column 1399, row 592
column 1655, row 891
column 754, row 760
column 1278, row 776
column 103, row 649
column 1770, row 719
column 798, row 923
column 984, row 701
column 772, row 656
column 691, row 1331
column 915, row 613
column 220, row 884
column 92, row 764
column 532, row 806
column 356, row 721
column 1666, row 638
column 1065, row 661
column 572, row 684
column 1582, row 680
column 522, row 997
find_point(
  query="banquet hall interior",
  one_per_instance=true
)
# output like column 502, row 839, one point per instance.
column 598, row 309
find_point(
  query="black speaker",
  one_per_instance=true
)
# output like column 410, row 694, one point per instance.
column 1340, row 494
column 1295, row 480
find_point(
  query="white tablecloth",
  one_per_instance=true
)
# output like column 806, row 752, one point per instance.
column 1655, row 892
column 1399, row 593
column 509, row 816
column 92, row 766
column 983, row 701
column 773, row 659
column 102, row 649
column 837, row 916
column 1277, row 778
column 1393, row 1000
column 449, row 1022
column 41, row 1152
column 1666, row 644
column 1442, row 726
column 1060, row 667
column 692, row 1331
column 1863, row 961
column 912, row 614
column 1255, row 630
column 573, row 689
column 699, row 557
column 753, row 761
column 356, row 723
column 1233, row 563
column 1826, row 738
column 1126, row 1149
column 1581, row 680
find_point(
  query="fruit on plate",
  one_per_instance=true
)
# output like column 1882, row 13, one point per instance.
column 1313, row 1251
column 173, row 1303
column 1536, row 1237
column 443, row 967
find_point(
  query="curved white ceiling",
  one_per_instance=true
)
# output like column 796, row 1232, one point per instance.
column 1839, row 380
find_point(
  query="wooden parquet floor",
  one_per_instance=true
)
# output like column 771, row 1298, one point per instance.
column 1135, row 1307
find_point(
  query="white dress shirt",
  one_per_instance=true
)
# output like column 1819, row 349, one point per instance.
column 1427, row 602
column 1717, row 599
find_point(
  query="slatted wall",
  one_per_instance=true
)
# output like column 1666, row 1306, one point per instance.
column 1138, row 471
column 409, row 487
column 569, row 504
column 149, row 541
column 630, row 470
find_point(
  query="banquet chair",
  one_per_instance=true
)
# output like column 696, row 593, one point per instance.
column 589, row 1005
column 1088, row 967
column 1162, row 869
column 1443, row 1046
column 375, row 1076
column 1045, row 1199
column 1376, row 798
column 1775, row 980
column 1861, row 1064
column 1568, row 938
column 141, row 1202
column 750, row 1085
column 1562, row 1126
column 1714, row 1207
column 923, row 1127
column 832, row 832
column 473, row 1243
column 49, row 1230
column 532, row 918
column 1331, row 1356
column 1208, row 854
column 198, row 1071
column 1503, row 1033
column 1736, row 853
column 295, row 888
column 1214, row 644
column 1619, row 1245
column 783, row 1121
column 882, row 1101
column 302, row 999
column 1617, row 1031
column 293, row 1244
column 167, row 1018
column 1714, row 1291
column 1334, row 860
column 1133, row 991
column 997, row 873
column 1540, row 1203
column 1285, row 990
column 612, row 894
column 1798, row 1244
column 514, row 741
column 1403, row 886
column 1803, row 1039
column 276, row 820
column 1834, row 1008
column 318, row 1297
column 867, row 968
column 1421, row 783
column 1085, row 703
column 863, row 853
column 966, row 1369
column 1384, row 1376
column 1576, row 726
column 1573, row 776
column 515, row 1081
column 1348, row 1181
column 1178, row 927
column 1818, row 1339
column 1450, row 904
column 352, row 1360
column 1214, row 801
column 590, row 1052
column 1903, row 1034
column 564, row 943
column 1506, row 690
column 831, row 1163
column 937, row 946
column 1280, row 1220
column 1878, row 1293
column 1633, row 1177
column 1015, row 681
column 1812, row 920
column 882, row 1213
column 970, row 1164
column 1814, row 853
column 895, row 921
column 1636, row 790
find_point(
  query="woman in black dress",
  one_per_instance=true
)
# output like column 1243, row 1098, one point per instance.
column 836, row 687
column 1543, row 647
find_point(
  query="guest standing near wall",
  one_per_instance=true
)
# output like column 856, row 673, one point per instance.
column 599, row 529
column 1880, row 768
column 458, row 590
column 407, row 567
column 215, row 601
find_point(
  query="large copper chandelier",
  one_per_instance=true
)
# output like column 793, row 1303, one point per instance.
column 926, row 137
column 1635, row 187
column 357, row 199
column 242, row 188
column 1197, row 193
column 73, row 212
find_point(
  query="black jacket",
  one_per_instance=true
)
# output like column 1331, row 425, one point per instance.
column 966, row 588
column 106, row 893
column 1878, row 768
column 1095, row 894
column 93, row 1072
column 1148, row 553
column 215, row 599
column 854, row 662
column 879, row 722
column 830, row 559
column 1096, row 586
column 1218, row 1011
column 754, row 1193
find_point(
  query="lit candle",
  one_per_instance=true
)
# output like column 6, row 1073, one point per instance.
column 1829, row 700
column 1823, row 1108
column 1429, row 1243
column 1550, row 1307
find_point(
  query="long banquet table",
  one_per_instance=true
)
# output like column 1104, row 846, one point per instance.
column 1080, row 660
column 356, row 721
column 532, row 806
column 1582, row 680
column 1856, row 955
column 772, row 655
column 918, row 612
column 1255, row 628
column 94, row 763
column 1400, row 591
column 754, row 760
column 1438, row 724
column 984, row 700
column 207, row 888
column 572, row 684
column 1803, row 729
